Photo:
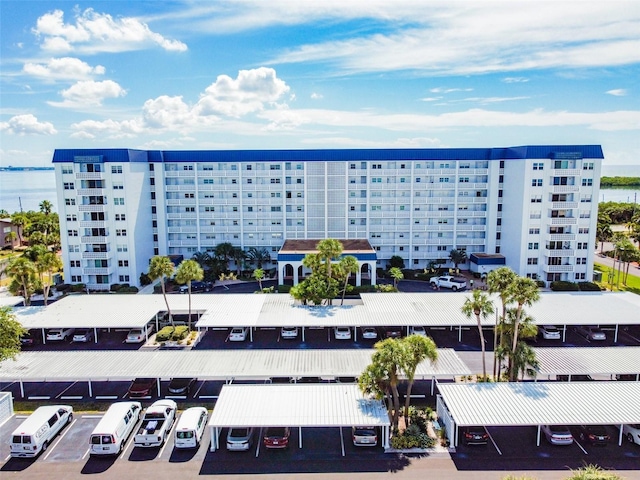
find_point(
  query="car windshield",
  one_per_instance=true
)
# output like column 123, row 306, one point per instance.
column 276, row 432
column 239, row 432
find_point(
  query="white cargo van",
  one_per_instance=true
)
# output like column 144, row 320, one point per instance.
column 190, row 428
column 34, row 435
column 113, row 430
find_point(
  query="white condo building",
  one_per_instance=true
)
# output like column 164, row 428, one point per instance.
column 535, row 205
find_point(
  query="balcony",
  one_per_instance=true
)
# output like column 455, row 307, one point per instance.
column 178, row 216
column 91, row 192
column 565, row 252
column 89, row 239
column 565, row 188
column 563, row 205
column 89, row 175
column 183, row 243
column 564, row 221
column 93, row 224
column 464, row 227
column 566, row 172
column 92, row 208
column 557, row 268
column 98, row 271
column 179, row 173
column 560, row 237
column 96, row 255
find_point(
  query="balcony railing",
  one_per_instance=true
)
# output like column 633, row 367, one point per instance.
column 558, row 268
column 96, row 255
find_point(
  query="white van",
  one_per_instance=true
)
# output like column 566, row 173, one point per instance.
column 34, row 435
column 113, row 430
column 190, row 428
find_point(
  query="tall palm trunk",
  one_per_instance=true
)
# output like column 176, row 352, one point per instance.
column 482, row 348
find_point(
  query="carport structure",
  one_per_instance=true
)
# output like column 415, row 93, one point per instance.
column 218, row 365
column 535, row 404
column 300, row 405
column 605, row 361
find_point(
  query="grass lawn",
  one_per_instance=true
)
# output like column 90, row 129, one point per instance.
column 633, row 280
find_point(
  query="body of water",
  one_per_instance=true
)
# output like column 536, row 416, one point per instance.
column 32, row 187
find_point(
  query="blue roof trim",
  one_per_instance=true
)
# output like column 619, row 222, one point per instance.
column 297, row 257
column 403, row 154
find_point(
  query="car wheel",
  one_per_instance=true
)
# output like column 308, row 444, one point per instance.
column 433, row 284
column 44, row 446
column 454, row 288
column 630, row 437
column 70, row 419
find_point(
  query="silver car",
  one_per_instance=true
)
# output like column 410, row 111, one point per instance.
column 591, row 333
column 239, row 439
column 364, row 436
column 557, row 434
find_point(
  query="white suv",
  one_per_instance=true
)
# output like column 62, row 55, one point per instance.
column 59, row 334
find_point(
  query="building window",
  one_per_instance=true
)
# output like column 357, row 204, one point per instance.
column 118, row 201
column 120, row 217
column 116, row 168
column 583, row 230
column 275, row 180
column 582, row 245
column 72, row 233
column 536, row 182
column 69, row 201
column 587, row 182
column 74, row 248
column 72, row 218
column 121, row 232
column 189, row 209
column 123, row 263
column 208, row 181
column 76, row 278
column 122, row 248
column 533, row 245
column 585, row 199
column 443, row 180
column 532, row 261
column 587, row 166
column 442, row 248
column 464, row 180
column 534, row 231
column 69, row 186
column 276, row 209
column 274, row 167
column 585, row 214
column 536, row 199
column 416, row 249
column 124, row 278
column 118, row 186
column 538, row 166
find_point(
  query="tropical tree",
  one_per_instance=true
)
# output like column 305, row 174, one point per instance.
column 186, row 272
column 479, row 305
column 9, row 238
column 239, row 256
column 373, row 381
column 523, row 361
column 396, row 261
column 258, row 274
column 48, row 264
column 347, row 265
column 457, row 257
column 24, row 275
column 524, row 292
column 10, row 332
column 161, row 267
column 329, row 250
column 498, row 281
column 603, row 233
column 321, row 286
column 258, row 256
column 224, row 251
column 388, row 359
column 21, row 221
column 397, row 275
column 416, row 349
column 46, row 207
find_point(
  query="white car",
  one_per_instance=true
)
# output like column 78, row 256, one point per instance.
column 549, row 332
column 83, row 335
column 137, row 335
column 59, row 334
column 238, row 334
column 632, row 433
column 369, row 333
column 289, row 332
column 557, row 434
column 342, row 333
column 591, row 333
column 418, row 331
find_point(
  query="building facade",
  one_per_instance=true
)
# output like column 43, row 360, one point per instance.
column 536, row 205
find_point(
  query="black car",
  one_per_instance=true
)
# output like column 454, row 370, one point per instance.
column 28, row 339
column 181, row 386
column 475, row 436
column 393, row 332
column 594, row 434
column 197, row 286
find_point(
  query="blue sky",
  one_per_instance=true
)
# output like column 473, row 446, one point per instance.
column 285, row 74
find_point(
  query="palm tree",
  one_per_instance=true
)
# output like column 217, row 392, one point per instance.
column 258, row 256
column 9, row 238
column 374, row 381
column 524, row 360
column 524, row 291
column 225, row 252
column 239, row 256
column 417, row 349
column 258, row 274
column 397, row 275
column 603, row 234
column 48, row 263
column 457, row 257
column 498, row 282
column 161, row 267
column 46, row 207
column 21, row 221
column 188, row 271
column 387, row 361
column 479, row 305
column 348, row 265
column 24, row 276
column 329, row 249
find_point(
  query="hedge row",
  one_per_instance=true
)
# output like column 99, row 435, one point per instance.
column 172, row 333
column 563, row 286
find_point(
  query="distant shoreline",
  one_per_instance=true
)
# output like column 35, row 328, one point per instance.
column 23, row 169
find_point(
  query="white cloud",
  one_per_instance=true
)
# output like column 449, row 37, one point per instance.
column 488, row 100
column 316, row 96
column 27, row 125
column 98, row 32
column 431, row 99
column 515, row 80
column 414, row 142
column 617, row 92
column 248, row 93
column 89, row 93
column 465, row 38
column 65, row 68
column 450, row 90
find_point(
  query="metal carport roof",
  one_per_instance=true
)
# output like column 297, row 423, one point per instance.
column 547, row 403
column 124, row 365
column 300, row 405
column 588, row 360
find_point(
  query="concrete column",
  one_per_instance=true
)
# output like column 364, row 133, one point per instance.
column 372, row 266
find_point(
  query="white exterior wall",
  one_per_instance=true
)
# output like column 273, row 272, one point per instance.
column 419, row 210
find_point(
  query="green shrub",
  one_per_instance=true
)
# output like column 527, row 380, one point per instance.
column 563, row 286
column 589, row 287
column 284, row 288
column 165, row 334
column 115, row 287
column 180, row 333
column 386, row 288
column 144, row 279
column 423, row 276
column 62, row 287
column 541, row 283
column 408, row 273
column 78, row 287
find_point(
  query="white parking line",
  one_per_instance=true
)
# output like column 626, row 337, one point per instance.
column 493, row 441
column 198, row 390
column 259, row 442
column 86, row 453
column 342, row 440
column 581, row 447
column 169, row 436
column 131, row 437
column 62, row 392
column 59, row 439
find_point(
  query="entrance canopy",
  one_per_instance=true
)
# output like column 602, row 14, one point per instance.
column 299, row 405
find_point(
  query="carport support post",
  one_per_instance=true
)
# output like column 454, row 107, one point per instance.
column 21, row 389
column 90, row 389
column 459, row 333
column 620, row 436
column 299, row 437
column 303, row 334
column 158, row 387
column 251, row 334
column 95, row 335
column 615, row 335
column 538, row 437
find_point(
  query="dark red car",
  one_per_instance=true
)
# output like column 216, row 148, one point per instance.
column 276, row 437
column 142, row 387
